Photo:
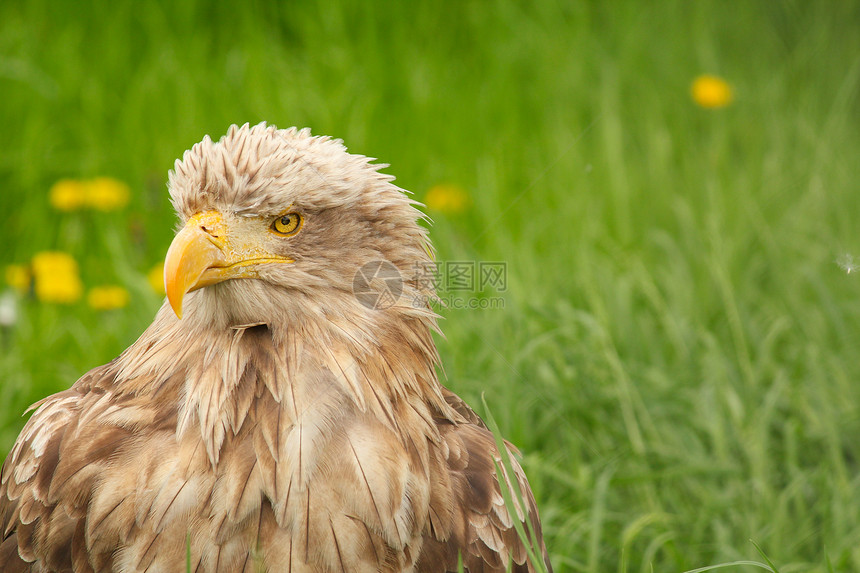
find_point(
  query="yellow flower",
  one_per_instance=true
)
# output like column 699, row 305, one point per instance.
column 447, row 198
column 107, row 194
column 155, row 277
column 107, row 297
column 53, row 261
column 56, row 277
column 711, row 92
column 102, row 193
column 68, row 195
column 18, row 277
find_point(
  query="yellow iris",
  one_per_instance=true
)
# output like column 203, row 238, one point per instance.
column 711, row 92
column 288, row 224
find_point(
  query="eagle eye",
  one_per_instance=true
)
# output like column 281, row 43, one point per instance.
column 287, row 225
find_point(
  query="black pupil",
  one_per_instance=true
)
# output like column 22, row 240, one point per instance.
column 286, row 220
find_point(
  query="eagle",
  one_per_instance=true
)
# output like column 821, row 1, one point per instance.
column 274, row 416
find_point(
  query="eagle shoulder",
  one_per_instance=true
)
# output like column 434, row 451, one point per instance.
column 53, row 491
column 478, row 527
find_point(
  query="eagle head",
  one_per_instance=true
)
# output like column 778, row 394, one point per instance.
column 294, row 216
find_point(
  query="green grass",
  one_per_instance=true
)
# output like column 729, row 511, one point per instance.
column 676, row 354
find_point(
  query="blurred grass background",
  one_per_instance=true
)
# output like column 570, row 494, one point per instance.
column 676, row 353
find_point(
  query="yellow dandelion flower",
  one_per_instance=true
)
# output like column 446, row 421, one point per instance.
column 155, row 277
column 107, row 194
column 68, row 195
column 56, row 277
column 18, row 277
column 447, row 198
column 47, row 262
column 107, row 297
column 711, row 92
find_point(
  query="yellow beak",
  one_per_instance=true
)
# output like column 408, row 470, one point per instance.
column 205, row 252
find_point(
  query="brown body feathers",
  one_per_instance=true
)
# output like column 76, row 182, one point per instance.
column 281, row 424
